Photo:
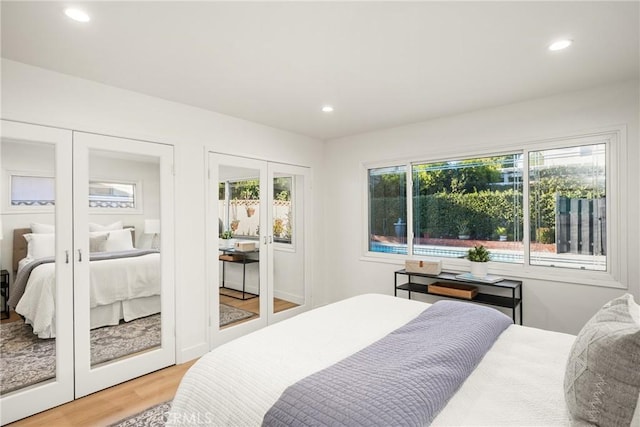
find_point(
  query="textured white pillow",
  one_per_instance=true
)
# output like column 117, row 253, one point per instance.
column 98, row 227
column 40, row 245
column 119, row 240
column 602, row 380
column 39, row 228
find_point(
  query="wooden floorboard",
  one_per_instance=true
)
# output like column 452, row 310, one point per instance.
column 113, row 404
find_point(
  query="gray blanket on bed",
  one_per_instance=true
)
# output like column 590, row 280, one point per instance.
column 404, row 379
column 20, row 283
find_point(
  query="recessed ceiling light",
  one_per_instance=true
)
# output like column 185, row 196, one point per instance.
column 560, row 44
column 327, row 109
column 77, row 15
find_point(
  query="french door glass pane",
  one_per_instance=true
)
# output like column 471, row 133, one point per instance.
column 567, row 190
column 238, row 255
column 288, row 250
column 124, row 271
column 28, row 330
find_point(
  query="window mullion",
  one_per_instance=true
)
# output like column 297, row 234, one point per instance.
column 410, row 231
column 526, row 214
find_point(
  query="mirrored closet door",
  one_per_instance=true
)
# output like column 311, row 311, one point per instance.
column 257, row 223
column 288, row 270
column 87, row 261
column 123, row 260
column 36, row 330
column 237, row 259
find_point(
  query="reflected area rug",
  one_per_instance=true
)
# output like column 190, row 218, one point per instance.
column 156, row 416
column 230, row 314
column 26, row 359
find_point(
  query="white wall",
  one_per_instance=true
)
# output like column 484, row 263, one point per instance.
column 34, row 95
column 551, row 305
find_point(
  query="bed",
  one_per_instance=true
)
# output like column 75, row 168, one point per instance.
column 302, row 371
column 124, row 281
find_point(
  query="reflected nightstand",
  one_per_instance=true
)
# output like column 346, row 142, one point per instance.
column 4, row 291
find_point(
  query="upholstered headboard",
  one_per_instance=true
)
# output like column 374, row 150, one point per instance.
column 20, row 244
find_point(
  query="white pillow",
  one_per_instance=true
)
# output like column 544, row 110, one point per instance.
column 38, row 228
column 119, row 240
column 98, row 227
column 40, row 245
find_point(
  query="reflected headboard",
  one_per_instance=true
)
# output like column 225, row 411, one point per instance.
column 20, row 244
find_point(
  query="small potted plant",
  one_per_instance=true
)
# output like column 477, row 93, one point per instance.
column 225, row 239
column 479, row 256
column 463, row 230
column 502, row 233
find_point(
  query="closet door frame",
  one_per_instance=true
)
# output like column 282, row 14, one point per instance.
column 88, row 379
column 59, row 390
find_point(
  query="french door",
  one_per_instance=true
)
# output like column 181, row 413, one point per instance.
column 97, row 308
column 260, row 275
column 137, row 178
column 42, row 376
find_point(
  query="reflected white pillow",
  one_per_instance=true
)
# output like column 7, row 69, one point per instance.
column 119, row 240
column 98, row 227
column 39, row 228
column 40, row 245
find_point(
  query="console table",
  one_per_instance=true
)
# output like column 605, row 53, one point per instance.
column 238, row 257
column 513, row 302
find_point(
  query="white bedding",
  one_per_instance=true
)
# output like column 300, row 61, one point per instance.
column 117, row 285
column 519, row 381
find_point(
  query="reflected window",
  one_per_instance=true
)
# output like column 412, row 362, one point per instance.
column 112, row 195
column 31, row 190
column 282, row 209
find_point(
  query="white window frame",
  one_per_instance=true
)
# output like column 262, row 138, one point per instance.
column 615, row 275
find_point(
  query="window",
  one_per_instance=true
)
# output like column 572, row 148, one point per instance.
column 32, row 191
column 388, row 210
column 459, row 203
column 282, row 209
column 29, row 191
column 567, row 197
column 238, row 207
column 112, row 195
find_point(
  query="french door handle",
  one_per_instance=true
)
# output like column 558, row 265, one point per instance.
column 264, row 239
column 79, row 255
column 270, row 239
column 66, row 257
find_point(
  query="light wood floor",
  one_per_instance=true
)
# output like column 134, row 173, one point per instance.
column 113, row 404
column 121, row 401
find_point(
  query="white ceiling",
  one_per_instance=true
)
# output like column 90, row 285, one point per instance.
column 380, row 64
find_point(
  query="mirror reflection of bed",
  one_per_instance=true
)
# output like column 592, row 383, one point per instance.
column 125, row 306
